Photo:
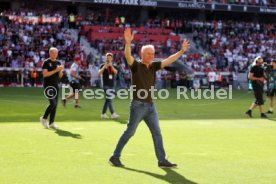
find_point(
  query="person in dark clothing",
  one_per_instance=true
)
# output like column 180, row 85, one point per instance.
column 52, row 72
column 142, row 106
column 108, row 72
column 271, row 85
column 257, row 76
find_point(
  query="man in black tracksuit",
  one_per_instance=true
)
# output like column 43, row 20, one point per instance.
column 52, row 72
column 257, row 76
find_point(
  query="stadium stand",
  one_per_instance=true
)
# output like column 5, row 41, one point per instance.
column 224, row 45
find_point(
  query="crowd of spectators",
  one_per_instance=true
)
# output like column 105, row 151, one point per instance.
column 233, row 45
column 26, row 44
column 26, row 36
column 228, row 46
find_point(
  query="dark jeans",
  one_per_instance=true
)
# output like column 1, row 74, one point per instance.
column 52, row 108
column 211, row 84
column 142, row 111
column 108, row 99
column 258, row 92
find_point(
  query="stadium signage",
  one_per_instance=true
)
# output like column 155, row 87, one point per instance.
column 120, row 2
column 34, row 19
column 191, row 5
column 267, row 10
column 188, row 5
column 148, row 3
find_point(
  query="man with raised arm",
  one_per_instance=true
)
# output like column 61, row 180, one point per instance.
column 142, row 106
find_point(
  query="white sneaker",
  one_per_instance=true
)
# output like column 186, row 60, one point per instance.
column 44, row 122
column 114, row 116
column 104, row 116
column 53, row 126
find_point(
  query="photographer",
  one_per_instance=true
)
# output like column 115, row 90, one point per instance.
column 271, row 84
column 74, row 79
column 108, row 71
column 257, row 76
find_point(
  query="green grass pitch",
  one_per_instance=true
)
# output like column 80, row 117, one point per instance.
column 212, row 141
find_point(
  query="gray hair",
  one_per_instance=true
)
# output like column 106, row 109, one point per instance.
column 53, row 49
column 255, row 60
column 144, row 47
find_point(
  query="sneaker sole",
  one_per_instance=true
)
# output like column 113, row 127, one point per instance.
column 114, row 165
column 55, row 128
column 249, row 115
column 45, row 126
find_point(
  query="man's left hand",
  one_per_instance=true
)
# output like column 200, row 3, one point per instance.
column 185, row 45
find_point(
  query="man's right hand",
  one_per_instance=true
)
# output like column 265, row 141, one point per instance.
column 128, row 35
column 106, row 65
column 262, row 79
column 59, row 68
column 109, row 64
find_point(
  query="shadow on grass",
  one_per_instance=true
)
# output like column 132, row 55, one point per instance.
column 271, row 119
column 171, row 176
column 65, row 133
column 121, row 121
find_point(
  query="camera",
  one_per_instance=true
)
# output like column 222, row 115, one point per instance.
column 267, row 68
